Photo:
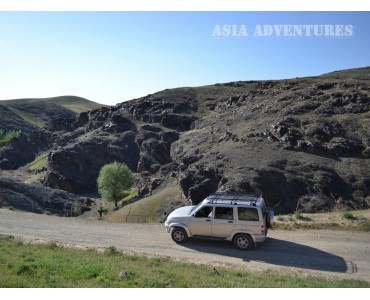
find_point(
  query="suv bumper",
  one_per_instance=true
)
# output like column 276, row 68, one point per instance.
column 167, row 227
column 259, row 238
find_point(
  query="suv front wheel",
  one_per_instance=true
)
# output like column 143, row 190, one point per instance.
column 243, row 241
column 179, row 235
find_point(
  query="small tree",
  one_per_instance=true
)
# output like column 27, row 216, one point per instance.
column 102, row 210
column 113, row 180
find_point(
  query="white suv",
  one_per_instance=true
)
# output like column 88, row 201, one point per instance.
column 242, row 219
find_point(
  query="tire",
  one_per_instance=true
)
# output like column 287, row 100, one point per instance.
column 243, row 241
column 179, row 235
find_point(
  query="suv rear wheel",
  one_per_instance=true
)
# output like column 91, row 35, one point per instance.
column 243, row 241
column 179, row 235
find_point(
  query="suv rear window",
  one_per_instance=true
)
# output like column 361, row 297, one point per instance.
column 248, row 214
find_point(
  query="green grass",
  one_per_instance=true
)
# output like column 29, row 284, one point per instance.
column 30, row 118
column 3, row 142
column 132, row 193
column 52, row 266
column 78, row 108
column 39, row 162
column 5, row 137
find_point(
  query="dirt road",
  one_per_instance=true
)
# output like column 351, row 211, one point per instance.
column 324, row 253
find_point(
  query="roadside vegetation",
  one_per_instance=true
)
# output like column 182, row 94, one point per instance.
column 358, row 220
column 52, row 266
column 151, row 209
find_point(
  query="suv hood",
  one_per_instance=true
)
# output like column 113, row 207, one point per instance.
column 181, row 212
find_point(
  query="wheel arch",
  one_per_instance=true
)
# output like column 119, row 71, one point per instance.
column 236, row 232
column 183, row 226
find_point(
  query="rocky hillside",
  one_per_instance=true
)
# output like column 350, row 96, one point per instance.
column 303, row 143
column 31, row 114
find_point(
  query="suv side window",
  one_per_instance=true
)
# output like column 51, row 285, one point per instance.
column 248, row 214
column 204, row 212
column 225, row 213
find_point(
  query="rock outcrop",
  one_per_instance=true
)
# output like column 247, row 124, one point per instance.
column 37, row 199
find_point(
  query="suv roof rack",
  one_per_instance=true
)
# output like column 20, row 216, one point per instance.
column 234, row 198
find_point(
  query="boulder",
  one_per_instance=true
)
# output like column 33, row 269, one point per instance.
column 198, row 183
column 345, row 147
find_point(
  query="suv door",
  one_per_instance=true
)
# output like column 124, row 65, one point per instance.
column 201, row 222
column 250, row 218
column 223, row 221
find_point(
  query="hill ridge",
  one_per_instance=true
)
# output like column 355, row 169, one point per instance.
column 37, row 112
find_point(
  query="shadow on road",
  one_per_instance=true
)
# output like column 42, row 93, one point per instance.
column 277, row 252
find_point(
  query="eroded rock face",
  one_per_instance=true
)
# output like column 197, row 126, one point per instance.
column 198, row 182
column 285, row 185
column 39, row 199
column 172, row 109
column 114, row 134
column 24, row 149
column 75, row 168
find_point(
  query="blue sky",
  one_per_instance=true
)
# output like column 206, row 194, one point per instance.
column 110, row 57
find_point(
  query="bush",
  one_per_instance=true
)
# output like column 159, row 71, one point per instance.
column 102, row 210
column 75, row 209
column 111, row 251
column 348, row 215
column 280, row 218
column 298, row 215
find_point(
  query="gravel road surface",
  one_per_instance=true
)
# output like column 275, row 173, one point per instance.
column 332, row 254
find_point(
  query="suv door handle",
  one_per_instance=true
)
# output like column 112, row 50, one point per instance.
column 208, row 220
column 230, row 222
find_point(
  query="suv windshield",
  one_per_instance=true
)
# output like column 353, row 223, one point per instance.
column 199, row 204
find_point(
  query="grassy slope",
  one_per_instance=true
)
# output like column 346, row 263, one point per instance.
column 51, row 266
column 149, row 209
column 25, row 108
column 75, row 104
column 27, row 117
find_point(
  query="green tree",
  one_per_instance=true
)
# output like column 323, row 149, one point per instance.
column 113, row 180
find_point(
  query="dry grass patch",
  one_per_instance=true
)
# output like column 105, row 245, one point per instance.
column 154, row 208
column 344, row 220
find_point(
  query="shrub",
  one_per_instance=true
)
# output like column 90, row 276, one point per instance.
column 298, row 215
column 25, row 269
column 280, row 218
column 348, row 215
column 102, row 210
column 111, row 251
column 52, row 245
column 75, row 209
